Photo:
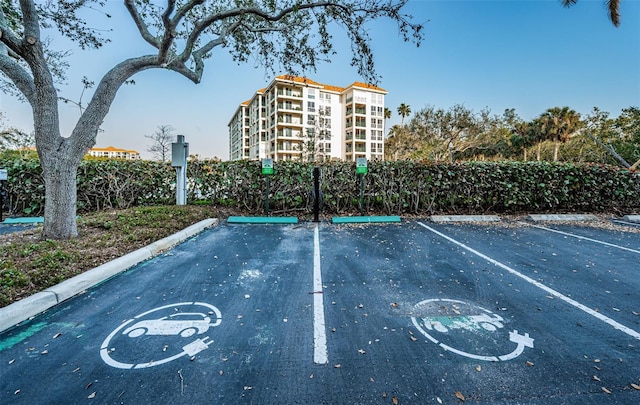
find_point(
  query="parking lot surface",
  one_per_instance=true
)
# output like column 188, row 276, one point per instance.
column 409, row 313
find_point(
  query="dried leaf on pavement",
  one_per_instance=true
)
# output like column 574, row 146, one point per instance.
column 459, row 396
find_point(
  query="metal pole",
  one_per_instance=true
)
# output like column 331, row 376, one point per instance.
column 316, row 194
column 1, row 199
column 181, row 190
column 361, row 194
column 266, row 196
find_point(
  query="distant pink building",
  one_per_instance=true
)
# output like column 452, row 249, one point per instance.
column 114, row 153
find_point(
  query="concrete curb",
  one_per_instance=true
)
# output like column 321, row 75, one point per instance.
column 562, row 217
column 27, row 307
column 632, row 218
column 465, row 218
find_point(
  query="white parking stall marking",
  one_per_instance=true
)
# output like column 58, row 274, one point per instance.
column 582, row 237
column 320, row 355
column 606, row 319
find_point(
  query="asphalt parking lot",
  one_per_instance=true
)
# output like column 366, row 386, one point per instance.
column 409, row 313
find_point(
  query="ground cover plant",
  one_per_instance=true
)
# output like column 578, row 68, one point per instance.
column 29, row 264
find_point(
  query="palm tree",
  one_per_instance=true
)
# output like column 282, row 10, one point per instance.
column 387, row 115
column 558, row 124
column 404, row 111
column 613, row 6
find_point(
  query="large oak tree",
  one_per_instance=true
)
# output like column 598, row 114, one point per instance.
column 182, row 34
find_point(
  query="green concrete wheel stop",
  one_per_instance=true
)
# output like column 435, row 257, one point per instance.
column 24, row 220
column 262, row 220
column 365, row 219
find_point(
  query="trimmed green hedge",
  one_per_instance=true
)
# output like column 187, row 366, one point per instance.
column 390, row 188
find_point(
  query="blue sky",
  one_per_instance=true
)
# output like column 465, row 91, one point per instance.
column 522, row 54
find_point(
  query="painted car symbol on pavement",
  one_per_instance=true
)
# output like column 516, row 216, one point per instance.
column 172, row 331
column 467, row 325
column 445, row 323
column 184, row 324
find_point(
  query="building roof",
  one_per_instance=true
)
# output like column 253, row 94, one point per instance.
column 367, row 86
column 328, row 87
column 296, row 79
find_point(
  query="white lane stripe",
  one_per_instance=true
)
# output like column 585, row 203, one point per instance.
column 551, row 291
column 582, row 237
column 320, row 355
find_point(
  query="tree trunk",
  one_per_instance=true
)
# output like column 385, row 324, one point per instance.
column 60, row 197
column 538, row 151
column 556, row 148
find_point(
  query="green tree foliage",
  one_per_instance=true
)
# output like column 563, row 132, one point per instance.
column 404, row 110
column 400, row 144
column 558, row 124
column 613, row 9
column 435, row 134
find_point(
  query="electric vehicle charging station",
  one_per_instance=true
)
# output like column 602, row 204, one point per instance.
column 362, row 168
column 267, row 171
column 179, row 154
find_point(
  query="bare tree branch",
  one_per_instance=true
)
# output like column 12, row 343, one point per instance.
column 141, row 24
column 609, row 149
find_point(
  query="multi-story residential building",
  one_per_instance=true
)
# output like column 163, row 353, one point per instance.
column 114, row 153
column 295, row 118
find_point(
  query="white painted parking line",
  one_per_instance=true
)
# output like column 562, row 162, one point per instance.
column 583, row 238
column 320, row 355
column 543, row 287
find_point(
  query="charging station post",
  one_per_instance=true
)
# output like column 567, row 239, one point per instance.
column 267, row 171
column 179, row 154
column 316, row 194
column 361, row 170
column 3, row 192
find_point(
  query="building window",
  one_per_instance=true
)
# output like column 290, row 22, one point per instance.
column 311, row 119
column 311, row 106
column 311, row 93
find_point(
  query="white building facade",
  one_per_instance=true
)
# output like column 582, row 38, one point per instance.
column 296, row 118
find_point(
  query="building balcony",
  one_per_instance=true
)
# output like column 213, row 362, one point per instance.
column 290, row 94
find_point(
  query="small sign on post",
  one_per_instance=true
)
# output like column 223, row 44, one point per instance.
column 267, row 166
column 361, row 166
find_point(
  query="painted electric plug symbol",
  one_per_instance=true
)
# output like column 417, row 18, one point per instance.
column 197, row 346
column 184, row 324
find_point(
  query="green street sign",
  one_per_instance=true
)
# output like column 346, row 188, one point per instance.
column 267, row 166
column 361, row 166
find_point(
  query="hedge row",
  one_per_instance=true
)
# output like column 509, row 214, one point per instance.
column 390, row 188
